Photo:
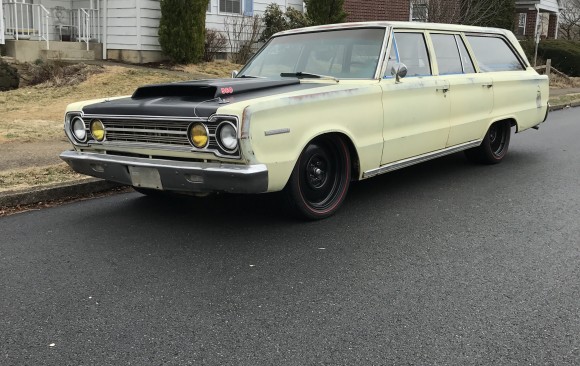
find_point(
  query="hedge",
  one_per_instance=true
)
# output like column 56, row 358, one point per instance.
column 565, row 54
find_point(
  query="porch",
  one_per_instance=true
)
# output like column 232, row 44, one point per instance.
column 51, row 29
column 537, row 18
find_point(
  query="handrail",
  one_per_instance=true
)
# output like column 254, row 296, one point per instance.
column 89, row 27
column 25, row 21
column 1, row 24
column 84, row 26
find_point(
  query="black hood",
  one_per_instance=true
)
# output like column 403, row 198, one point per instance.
column 199, row 98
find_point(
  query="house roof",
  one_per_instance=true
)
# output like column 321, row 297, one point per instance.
column 553, row 6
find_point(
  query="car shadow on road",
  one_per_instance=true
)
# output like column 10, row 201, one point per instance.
column 407, row 186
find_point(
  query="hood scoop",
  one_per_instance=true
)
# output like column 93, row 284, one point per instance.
column 209, row 89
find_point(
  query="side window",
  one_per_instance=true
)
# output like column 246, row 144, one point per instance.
column 493, row 54
column 447, row 54
column 410, row 49
column 466, row 60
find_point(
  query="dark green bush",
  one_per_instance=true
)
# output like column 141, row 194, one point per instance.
column 9, row 78
column 275, row 20
column 182, row 29
column 325, row 11
column 565, row 55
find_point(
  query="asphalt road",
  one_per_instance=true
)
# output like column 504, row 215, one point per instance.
column 441, row 263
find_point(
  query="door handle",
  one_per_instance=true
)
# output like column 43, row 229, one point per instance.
column 444, row 89
column 487, row 85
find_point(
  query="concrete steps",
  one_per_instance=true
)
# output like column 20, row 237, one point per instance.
column 67, row 54
column 29, row 51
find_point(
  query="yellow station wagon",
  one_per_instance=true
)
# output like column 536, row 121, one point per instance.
column 313, row 110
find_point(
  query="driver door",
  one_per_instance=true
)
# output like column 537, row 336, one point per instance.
column 417, row 108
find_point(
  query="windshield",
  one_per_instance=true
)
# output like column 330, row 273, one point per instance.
column 343, row 54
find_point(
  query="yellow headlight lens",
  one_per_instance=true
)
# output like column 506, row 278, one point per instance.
column 198, row 135
column 98, row 130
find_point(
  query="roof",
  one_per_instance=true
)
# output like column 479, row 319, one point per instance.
column 407, row 25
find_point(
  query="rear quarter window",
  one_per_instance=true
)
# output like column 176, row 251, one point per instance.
column 494, row 54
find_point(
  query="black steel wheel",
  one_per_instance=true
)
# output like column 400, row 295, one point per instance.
column 320, row 179
column 494, row 146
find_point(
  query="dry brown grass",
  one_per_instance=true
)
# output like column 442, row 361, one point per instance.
column 35, row 113
column 565, row 99
column 31, row 177
column 557, row 81
column 216, row 69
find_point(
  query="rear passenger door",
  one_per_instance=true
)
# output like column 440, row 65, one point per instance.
column 416, row 109
column 470, row 93
column 518, row 94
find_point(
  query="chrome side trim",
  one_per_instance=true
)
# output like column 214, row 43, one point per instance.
column 276, row 132
column 420, row 158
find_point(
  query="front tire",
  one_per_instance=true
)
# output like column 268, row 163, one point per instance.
column 320, row 179
column 494, row 146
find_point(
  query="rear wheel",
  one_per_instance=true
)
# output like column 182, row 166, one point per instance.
column 320, row 179
column 494, row 146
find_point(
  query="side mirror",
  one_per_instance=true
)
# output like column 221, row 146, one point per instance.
column 234, row 73
column 399, row 71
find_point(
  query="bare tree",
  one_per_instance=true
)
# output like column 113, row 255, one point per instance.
column 471, row 12
column 242, row 34
column 570, row 20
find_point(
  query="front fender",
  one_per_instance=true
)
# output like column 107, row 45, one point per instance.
column 274, row 133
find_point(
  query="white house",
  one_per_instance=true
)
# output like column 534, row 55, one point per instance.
column 538, row 18
column 108, row 29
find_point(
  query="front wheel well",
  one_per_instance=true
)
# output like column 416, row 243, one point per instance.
column 354, row 158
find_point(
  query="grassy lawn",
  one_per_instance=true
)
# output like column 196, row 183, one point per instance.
column 565, row 99
column 23, row 178
column 35, row 113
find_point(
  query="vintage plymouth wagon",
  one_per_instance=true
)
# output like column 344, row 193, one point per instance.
column 313, row 110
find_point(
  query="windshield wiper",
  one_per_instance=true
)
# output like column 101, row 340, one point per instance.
column 307, row 75
column 249, row 76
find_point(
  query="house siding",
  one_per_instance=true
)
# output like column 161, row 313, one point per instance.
column 1, row 23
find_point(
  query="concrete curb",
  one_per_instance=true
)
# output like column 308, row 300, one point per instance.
column 54, row 192
column 562, row 106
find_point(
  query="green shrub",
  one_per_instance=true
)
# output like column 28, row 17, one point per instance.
column 9, row 78
column 277, row 21
column 565, row 55
column 325, row 11
column 182, row 29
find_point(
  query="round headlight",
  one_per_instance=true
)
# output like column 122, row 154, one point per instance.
column 227, row 136
column 198, row 135
column 78, row 129
column 98, row 130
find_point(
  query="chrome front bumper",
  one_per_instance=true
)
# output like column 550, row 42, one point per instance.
column 172, row 175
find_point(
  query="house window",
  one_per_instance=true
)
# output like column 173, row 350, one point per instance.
column 419, row 10
column 231, row 6
column 208, row 7
column 521, row 30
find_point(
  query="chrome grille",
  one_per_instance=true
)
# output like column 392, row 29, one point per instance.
column 154, row 132
column 160, row 133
